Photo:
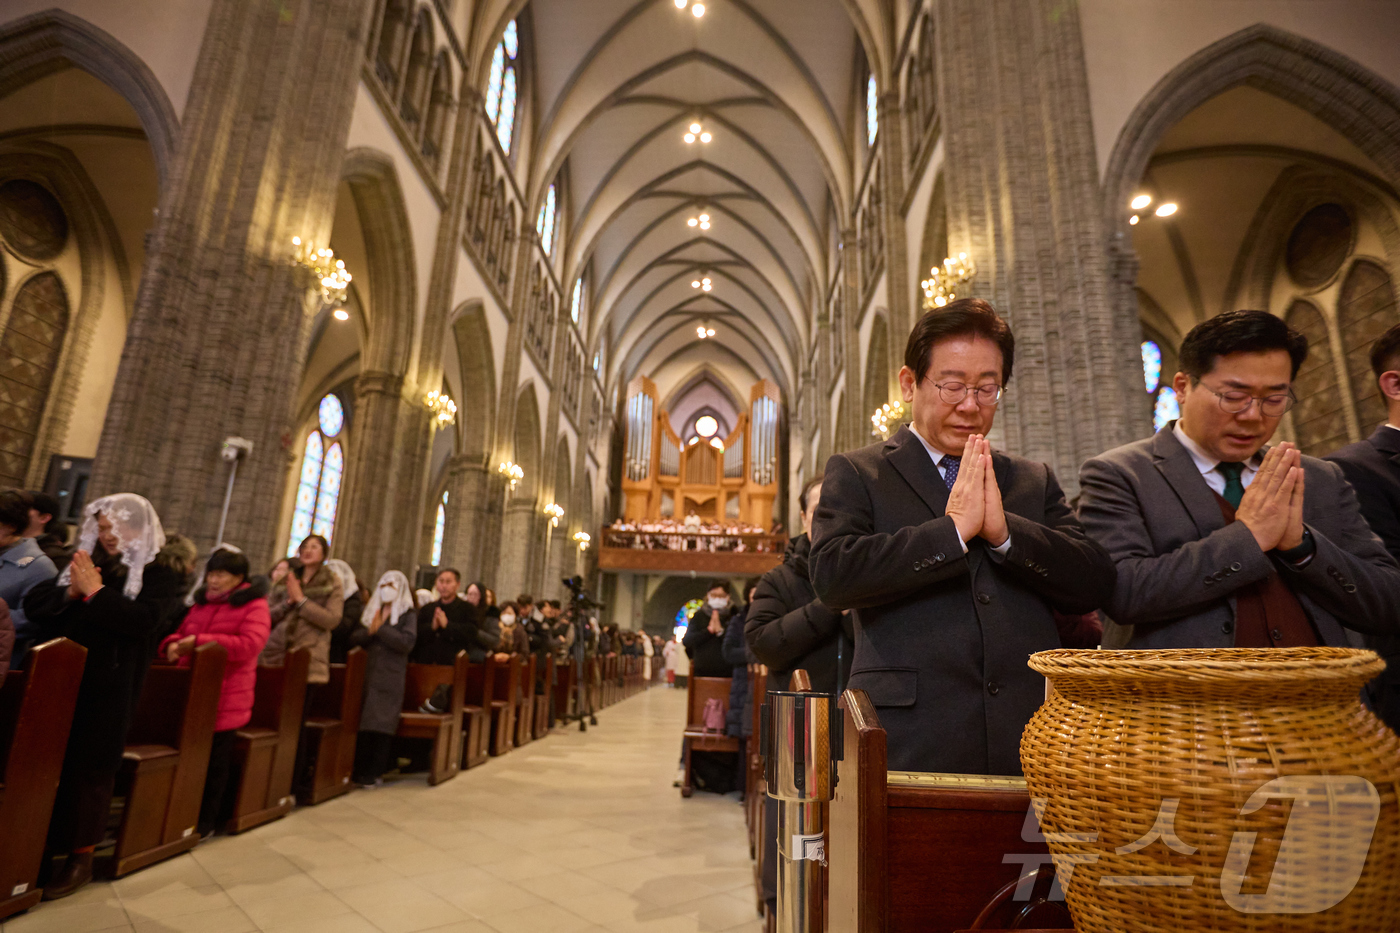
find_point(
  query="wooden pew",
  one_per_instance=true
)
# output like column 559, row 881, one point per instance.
column 166, row 758
column 332, row 728
column 922, row 852
column 544, row 699
column 695, row 738
column 36, row 712
column 525, row 711
column 565, row 690
column 476, row 714
column 754, row 787
column 265, row 750
column 443, row 730
column 504, row 705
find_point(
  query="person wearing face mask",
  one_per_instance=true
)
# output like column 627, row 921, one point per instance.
column 118, row 591
column 513, row 637
column 230, row 610
column 387, row 631
column 704, row 636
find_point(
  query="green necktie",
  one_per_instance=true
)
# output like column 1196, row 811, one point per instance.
column 1234, row 489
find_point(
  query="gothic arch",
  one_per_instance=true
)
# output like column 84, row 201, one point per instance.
column 1353, row 100
column 374, row 185
column 878, row 375
column 37, row 45
column 476, row 416
column 526, row 445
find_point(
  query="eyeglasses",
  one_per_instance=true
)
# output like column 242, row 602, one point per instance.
column 1237, row 402
column 953, row 393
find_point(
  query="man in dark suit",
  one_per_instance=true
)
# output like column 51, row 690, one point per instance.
column 954, row 557
column 1217, row 543
column 1372, row 467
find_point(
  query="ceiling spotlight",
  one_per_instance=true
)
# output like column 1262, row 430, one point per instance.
column 702, row 332
column 680, row 4
column 1133, row 220
column 690, row 137
column 695, row 284
column 703, row 222
column 1165, row 210
column 705, row 137
column 703, row 283
column 698, row 10
column 695, row 127
column 696, row 131
column 340, row 314
column 1141, row 201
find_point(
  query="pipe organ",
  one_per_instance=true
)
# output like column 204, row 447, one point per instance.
column 733, row 481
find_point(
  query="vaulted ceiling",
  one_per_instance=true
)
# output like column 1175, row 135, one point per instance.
column 617, row 85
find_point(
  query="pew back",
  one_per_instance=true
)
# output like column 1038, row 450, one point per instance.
column 332, row 727
column 444, row 730
column 36, row 711
column 266, row 748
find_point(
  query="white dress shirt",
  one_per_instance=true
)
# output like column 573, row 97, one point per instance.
column 937, row 455
column 1209, row 465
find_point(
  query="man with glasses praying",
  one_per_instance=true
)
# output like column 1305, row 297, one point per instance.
column 1222, row 541
column 953, row 555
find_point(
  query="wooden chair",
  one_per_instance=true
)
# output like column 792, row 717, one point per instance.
column 921, row 852
column 505, row 704
column 333, row 727
column 695, row 738
column 544, row 699
column 36, row 713
column 525, row 711
column 443, row 730
column 166, row 758
column 476, row 714
column 265, row 750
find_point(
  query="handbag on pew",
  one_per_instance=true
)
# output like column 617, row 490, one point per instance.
column 440, row 702
column 712, row 716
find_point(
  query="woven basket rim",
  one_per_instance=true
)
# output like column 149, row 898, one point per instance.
column 1194, row 664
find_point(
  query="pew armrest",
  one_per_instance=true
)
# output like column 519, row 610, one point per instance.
column 141, row 758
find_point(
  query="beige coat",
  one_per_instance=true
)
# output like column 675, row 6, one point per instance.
column 308, row 625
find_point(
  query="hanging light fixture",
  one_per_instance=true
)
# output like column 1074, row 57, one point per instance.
column 512, row 472
column 704, row 332
column 942, row 284
column 583, row 539
column 696, row 131
column 555, row 511
column 328, row 272
column 886, row 416
column 441, row 406
column 702, row 220
column 704, row 282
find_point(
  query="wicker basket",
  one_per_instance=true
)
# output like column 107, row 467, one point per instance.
column 1132, row 745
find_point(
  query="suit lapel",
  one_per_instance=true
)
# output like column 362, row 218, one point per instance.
column 1176, row 466
column 1387, row 441
column 907, row 455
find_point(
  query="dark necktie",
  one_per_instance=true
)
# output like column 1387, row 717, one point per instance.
column 950, row 470
column 1234, row 489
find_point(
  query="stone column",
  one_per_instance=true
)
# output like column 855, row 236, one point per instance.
column 219, row 332
column 848, row 434
column 1023, row 201
column 897, row 292
column 471, row 499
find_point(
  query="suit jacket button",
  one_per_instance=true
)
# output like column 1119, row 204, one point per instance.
column 918, row 565
column 1209, row 580
column 1235, row 567
column 993, row 687
column 1349, row 587
column 983, row 598
column 938, row 556
column 1228, row 628
column 1276, row 635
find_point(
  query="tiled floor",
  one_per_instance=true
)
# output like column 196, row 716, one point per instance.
column 572, row 834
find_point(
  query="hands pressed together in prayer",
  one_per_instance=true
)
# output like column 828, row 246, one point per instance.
column 85, row 579
column 974, row 503
column 1272, row 507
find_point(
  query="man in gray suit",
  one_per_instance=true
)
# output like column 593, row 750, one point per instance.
column 1220, row 541
column 954, row 557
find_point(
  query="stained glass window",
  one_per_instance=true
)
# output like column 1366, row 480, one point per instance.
column 578, row 300
column 545, row 224
column 872, row 111
column 597, row 361
column 439, row 526
column 322, row 469
column 1167, row 408
column 1151, row 365
column 502, row 86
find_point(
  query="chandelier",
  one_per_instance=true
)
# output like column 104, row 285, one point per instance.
column 885, row 416
column 704, row 282
column 329, row 272
column 702, row 331
column 511, row 472
column 441, row 406
column 942, row 284
column 702, row 221
column 695, row 130
column 555, row 511
column 583, row 539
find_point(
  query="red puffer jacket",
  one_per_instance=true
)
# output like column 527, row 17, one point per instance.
column 239, row 622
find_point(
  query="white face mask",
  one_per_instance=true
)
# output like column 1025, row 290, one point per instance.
column 508, row 619
column 718, row 602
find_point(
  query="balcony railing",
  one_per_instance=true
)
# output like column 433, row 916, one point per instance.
column 717, row 550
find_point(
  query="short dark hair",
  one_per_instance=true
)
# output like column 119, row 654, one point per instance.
column 718, row 585
column 806, row 488
column 45, row 504
column 525, row 599
column 1239, row 332
column 228, row 560
column 553, row 603
column 965, row 317
column 14, row 510
column 456, row 574
column 1385, row 352
column 325, row 545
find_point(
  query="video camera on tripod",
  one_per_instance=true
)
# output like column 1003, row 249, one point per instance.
column 579, row 604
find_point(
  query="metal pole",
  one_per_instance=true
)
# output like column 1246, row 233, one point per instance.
column 801, row 776
column 228, row 498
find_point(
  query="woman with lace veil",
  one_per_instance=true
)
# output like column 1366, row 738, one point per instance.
column 387, row 630
column 122, row 589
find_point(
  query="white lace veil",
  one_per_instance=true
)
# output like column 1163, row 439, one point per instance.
column 139, row 535
column 423, row 597
column 402, row 599
column 347, row 576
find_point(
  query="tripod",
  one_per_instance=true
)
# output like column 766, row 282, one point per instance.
column 579, row 603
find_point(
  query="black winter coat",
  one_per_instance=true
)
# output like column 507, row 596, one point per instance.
column 120, row 636
column 738, row 718
column 788, row 627
column 706, row 650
